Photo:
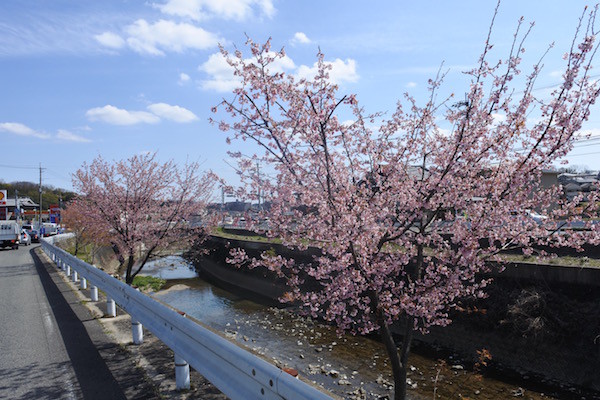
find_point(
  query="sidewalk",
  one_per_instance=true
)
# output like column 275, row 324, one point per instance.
column 145, row 371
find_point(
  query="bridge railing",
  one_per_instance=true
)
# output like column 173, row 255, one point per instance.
column 236, row 372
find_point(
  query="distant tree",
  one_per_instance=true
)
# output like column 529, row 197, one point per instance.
column 407, row 215
column 145, row 206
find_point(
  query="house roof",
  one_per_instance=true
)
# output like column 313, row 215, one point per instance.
column 24, row 202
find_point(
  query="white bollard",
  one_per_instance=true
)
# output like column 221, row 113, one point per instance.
column 111, row 308
column 83, row 283
column 137, row 331
column 94, row 293
column 74, row 276
column 182, row 373
column 68, row 271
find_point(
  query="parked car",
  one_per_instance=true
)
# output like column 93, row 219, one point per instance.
column 25, row 238
column 35, row 237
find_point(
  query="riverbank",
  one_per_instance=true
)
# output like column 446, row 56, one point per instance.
column 351, row 367
column 326, row 359
column 540, row 326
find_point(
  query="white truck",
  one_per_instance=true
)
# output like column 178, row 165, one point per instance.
column 10, row 234
column 49, row 229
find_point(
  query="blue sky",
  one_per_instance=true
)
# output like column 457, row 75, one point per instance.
column 120, row 77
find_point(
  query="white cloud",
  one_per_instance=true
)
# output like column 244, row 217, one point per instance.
column 557, row 73
column 197, row 10
column 588, row 134
column 17, row 128
column 444, row 132
column 411, row 85
column 70, row 137
column 183, row 78
column 221, row 78
column 110, row 40
column 173, row 113
column 300, row 38
column 498, row 119
column 221, row 74
column 116, row 116
column 161, row 36
column 341, row 71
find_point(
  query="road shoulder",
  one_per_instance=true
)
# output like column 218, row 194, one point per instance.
column 145, row 371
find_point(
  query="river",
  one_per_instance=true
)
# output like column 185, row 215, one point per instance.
column 352, row 367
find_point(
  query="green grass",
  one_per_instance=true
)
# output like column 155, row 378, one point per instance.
column 148, row 283
column 85, row 251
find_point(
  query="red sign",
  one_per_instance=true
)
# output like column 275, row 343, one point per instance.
column 3, row 197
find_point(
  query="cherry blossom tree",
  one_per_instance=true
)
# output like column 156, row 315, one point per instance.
column 145, row 206
column 74, row 217
column 408, row 216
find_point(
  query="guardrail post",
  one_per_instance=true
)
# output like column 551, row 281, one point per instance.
column 83, row 283
column 74, row 276
column 182, row 373
column 68, row 271
column 111, row 308
column 94, row 293
column 137, row 331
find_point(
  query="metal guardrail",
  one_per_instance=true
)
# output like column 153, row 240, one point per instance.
column 234, row 371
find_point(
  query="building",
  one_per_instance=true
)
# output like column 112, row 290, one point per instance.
column 26, row 207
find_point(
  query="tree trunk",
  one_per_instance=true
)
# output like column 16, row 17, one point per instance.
column 398, row 361
column 398, row 370
column 128, row 276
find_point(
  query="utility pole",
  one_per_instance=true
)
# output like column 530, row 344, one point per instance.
column 259, row 184
column 222, row 205
column 17, row 210
column 40, row 210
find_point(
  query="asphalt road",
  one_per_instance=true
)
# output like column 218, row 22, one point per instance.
column 50, row 346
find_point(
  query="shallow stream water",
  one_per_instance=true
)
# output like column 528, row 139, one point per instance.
column 349, row 366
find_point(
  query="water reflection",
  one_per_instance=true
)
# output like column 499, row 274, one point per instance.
column 171, row 267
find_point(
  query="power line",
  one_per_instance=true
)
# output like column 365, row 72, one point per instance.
column 584, row 154
column 17, row 167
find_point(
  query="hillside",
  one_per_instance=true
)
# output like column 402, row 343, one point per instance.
column 50, row 194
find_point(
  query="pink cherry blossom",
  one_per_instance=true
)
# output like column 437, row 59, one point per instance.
column 141, row 206
column 405, row 218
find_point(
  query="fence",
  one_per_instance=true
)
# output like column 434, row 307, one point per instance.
column 234, row 371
